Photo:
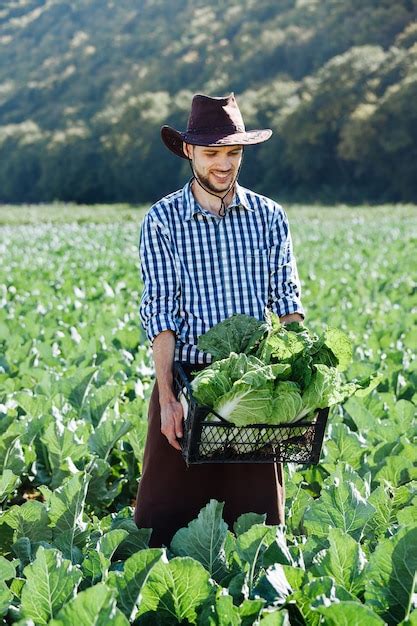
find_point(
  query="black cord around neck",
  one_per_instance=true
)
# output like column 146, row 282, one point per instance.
column 222, row 210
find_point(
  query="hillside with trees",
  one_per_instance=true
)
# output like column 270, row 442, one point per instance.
column 85, row 86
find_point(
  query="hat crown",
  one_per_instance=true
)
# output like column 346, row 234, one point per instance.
column 210, row 114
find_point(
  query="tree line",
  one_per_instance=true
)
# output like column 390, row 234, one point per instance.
column 339, row 93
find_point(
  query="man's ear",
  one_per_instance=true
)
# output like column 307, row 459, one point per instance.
column 186, row 149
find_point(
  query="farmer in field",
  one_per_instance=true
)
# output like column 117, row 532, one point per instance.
column 208, row 250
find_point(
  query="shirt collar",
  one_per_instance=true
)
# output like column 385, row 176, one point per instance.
column 190, row 206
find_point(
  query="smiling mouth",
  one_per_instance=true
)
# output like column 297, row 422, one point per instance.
column 221, row 177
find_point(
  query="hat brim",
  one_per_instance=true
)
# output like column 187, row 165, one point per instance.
column 173, row 139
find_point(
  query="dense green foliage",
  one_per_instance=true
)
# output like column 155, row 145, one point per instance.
column 273, row 373
column 75, row 376
column 85, row 87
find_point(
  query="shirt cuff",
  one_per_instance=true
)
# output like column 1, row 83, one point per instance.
column 159, row 323
column 285, row 306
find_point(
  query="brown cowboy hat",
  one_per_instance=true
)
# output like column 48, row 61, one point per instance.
column 213, row 122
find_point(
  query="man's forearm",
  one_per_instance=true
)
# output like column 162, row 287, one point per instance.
column 163, row 348
column 291, row 317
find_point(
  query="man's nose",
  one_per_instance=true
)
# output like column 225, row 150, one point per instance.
column 224, row 163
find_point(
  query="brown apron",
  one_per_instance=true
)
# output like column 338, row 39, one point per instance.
column 170, row 494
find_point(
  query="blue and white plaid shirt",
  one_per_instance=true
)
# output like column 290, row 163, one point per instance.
column 198, row 269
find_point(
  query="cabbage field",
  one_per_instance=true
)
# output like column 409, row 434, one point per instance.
column 75, row 377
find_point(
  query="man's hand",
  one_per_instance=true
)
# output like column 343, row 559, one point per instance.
column 171, row 410
column 171, row 421
column 291, row 317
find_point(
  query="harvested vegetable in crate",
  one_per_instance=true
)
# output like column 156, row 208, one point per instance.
column 282, row 376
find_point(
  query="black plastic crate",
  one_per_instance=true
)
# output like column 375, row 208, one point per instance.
column 205, row 441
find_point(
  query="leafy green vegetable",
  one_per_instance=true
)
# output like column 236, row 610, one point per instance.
column 304, row 368
column 50, row 582
column 174, row 591
column 247, row 404
column 286, row 403
column 349, row 614
column 325, row 389
column 95, row 606
column 74, row 367
column 340, row 505
column 130, row 582
column 239, row 333
column 391, row 575
column 204, row 540
column 344, row 560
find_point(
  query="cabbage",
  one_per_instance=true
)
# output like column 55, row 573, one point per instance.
column 326, row 388
column 244, row 405
column 283, row 374
column 209, row 385
column 286, row 404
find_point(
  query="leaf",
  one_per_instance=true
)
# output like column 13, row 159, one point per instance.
column 204, row 539
column 137, row 538
column 174, row 591
column 340, row 505
column 129, row 583
column 239, row 333
column 219, row 612
column 65, row 510
column 6, row 598
column 275, row 618
column 7, row 569
column 251, row 546
column 404, row 412
column 297, row 507
column 394, row 471
column 61, row 443
column 107, row 434
column 95, row 606
column 95, row 566
column 340, row 345
column 75, row 388
column 389, row 502
column 245, row 521
column 277, row 551
column 23, row 549
column 344, row 561
column 8, row 483
column 16, row 460
column 101, row 492
column 342, row 445
column 318, row 592
column 109, row 543
column 99, row 400
column 29, row 520
column 249, row 611
column 407, row 516
column 35, row 406
column 50, row 582
column 274, row 586
column 97, row 561
column 390, row 575
column 362, row 417
column 349, row 614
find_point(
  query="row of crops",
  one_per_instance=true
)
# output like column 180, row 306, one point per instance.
column 75, row 378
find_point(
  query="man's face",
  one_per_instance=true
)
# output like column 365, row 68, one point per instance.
column 216, row 167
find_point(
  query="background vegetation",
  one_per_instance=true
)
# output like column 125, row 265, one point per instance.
column 85, row 86
column 76, row 373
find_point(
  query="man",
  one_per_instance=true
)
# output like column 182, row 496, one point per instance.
column 207, row 251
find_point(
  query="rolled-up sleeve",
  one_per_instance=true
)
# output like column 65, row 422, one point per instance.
column 160, row 299
column 284, row 285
